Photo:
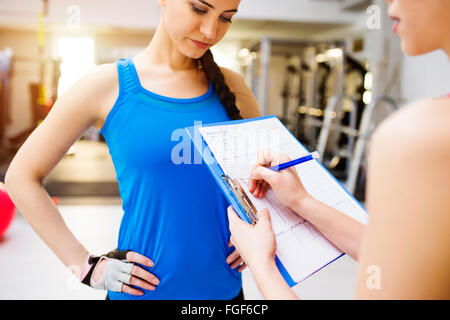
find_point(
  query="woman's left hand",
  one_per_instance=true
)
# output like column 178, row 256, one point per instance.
column 235, row 260
column 256, row 244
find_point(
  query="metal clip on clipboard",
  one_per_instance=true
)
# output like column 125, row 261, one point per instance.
column 242, row 197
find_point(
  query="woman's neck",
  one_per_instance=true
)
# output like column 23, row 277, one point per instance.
column 445, row 46
column 162, row 51
column 447, row 50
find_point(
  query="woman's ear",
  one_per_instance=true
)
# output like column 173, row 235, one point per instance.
column 162, row 3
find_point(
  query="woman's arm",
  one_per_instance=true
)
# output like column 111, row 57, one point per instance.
column 245, row 100
column 344, row 232
column 84, row 105
column 405, row 253
column 73, row 113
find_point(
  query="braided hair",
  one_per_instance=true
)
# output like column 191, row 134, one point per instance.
column 215, row 75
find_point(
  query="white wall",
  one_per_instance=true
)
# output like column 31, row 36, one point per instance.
column 295, row 10
column 425, row 76
column 142, row 14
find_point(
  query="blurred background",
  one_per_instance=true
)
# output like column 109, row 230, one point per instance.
column 331, row 70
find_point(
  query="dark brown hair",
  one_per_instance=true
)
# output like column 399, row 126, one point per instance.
column 215, row 75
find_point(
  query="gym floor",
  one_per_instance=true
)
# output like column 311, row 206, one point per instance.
column 31, row 271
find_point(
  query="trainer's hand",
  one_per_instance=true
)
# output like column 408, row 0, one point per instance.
column 286, row 184
column 118, row 272
column 255, row 244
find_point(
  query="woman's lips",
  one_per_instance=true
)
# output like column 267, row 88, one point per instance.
column 396, row 25
column 200, row 44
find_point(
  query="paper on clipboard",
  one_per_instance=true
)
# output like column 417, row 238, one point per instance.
column 301, row 248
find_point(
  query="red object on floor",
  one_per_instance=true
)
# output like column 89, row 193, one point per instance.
column 55, row 200
column 7, row 209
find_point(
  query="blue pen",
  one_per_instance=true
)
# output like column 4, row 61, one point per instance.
column 282, row 166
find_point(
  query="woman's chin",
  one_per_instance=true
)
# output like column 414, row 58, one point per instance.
column 415, row 49
column 193, row 52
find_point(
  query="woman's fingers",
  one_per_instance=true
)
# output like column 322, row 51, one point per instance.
column 264, row 187
column 140, row 278
column 260, row 188
column 242, row 267
column 139, row 258
column 236, row 263
column 264, row 158
column 235, row 260
column 257, row 185
column 252, row 183
column 144, row 275
column 233, row 256
column 142, row 284
column 256, row 188
column 130, row 290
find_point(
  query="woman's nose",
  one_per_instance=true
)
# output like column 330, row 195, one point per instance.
column 209, row 28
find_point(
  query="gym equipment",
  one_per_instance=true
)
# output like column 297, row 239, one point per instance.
column 302, row 58
column 6, row 56
column 326, row 99
column 312, row 72
column 7, row 209
column 369, row 121
column 367, row 127
column 333, row 116
column 49, row 72
column 40, row 102
column 291, row 71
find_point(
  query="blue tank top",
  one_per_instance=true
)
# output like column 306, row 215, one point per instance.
column 174, row 214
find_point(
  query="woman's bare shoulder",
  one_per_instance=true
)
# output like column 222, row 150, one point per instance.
column 421, row 125
column 410, row 153
column 245, row 100
column 105, row 73
column 104, row 79
column 411, row 150
column 100, row 88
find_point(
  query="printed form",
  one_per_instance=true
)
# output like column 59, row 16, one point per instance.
column 300, row 246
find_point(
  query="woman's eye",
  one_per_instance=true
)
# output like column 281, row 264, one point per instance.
column 198, row 10
column 225, row 19
column 203, row 11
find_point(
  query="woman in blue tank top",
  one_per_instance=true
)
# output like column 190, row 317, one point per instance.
column 174, row 236
column 174, row 213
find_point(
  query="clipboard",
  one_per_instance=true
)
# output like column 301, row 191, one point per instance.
column 233, row 191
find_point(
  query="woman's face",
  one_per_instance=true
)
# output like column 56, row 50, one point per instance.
column 196, row 25
column 423, row 25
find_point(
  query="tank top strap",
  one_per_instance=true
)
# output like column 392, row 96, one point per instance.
column 127, row 80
